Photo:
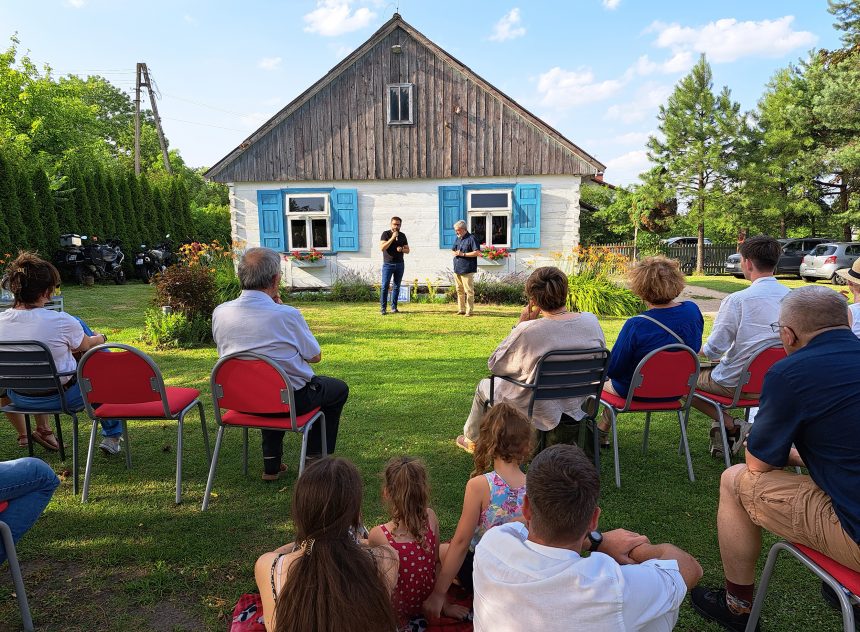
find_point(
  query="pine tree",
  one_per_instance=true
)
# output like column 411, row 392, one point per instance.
column 148, row 212
column 120, row 231
column 46, row 211
column 136, row 209
column 80, row 204
column 700, row 131
column 11, row 206
column 108, row 226
column 183, row 205
column 36, row 238
column 91, row 180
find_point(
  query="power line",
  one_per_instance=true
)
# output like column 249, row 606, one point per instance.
column 204, row 105
column 232, row 129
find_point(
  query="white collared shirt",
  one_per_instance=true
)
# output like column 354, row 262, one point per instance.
column 742, row 328
column 254, row 322
column 521, row 585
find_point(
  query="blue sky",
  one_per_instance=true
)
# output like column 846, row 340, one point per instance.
column 595, row 69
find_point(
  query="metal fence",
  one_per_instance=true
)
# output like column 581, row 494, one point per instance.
column 715, row 255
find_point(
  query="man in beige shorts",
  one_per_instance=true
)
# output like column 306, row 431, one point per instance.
column 807, row 418
column 741, row 329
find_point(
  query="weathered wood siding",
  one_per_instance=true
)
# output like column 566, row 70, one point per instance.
column 417, row 203
column 463, row 127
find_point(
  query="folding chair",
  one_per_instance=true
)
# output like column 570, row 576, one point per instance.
column 751, row 380
column 15, row 568
column 844, row 581
column 563, row 374
column 256, row 393
column 668, row 373
column 120, row 382
column 27, row 366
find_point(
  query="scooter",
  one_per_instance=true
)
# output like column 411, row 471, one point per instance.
column 69, row 259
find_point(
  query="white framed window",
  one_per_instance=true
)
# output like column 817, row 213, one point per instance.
column 400, row 109
column 489, row 214
column 308, row 221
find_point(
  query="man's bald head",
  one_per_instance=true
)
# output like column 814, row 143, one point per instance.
column 258, row 268
column 812, row 308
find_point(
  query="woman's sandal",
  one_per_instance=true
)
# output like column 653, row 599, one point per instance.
column 464, row 444
column 23, row 442
column 45, row 438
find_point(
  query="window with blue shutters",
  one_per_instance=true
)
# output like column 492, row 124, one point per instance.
column 305, row 219
column 502, row 215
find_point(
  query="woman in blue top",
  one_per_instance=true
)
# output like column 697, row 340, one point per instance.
column 657, row 281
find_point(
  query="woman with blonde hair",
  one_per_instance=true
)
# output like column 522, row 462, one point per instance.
column 658, row 281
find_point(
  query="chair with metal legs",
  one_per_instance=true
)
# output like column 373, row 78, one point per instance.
column 15, row 568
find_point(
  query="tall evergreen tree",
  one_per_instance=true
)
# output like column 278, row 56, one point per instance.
column 162, row 218
column 183, row 205
column 79, row 204
column 10, row 204
column 697, row 152
column 36, row 238
column 112, row 190
column 91, row 180
column 46, row 210
column 148, row 214
column 136, row 209
column 107, row 211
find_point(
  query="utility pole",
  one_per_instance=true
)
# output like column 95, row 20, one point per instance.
column 141, row 82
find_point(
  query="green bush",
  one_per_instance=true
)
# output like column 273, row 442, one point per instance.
column 352, row 286
column 210, row 223
column 506, row 289
column 601, row 296
column 175, row 330
column 227, row 285
column 189, row 289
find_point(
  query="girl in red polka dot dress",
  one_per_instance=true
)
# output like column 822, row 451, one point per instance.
column 413, row 531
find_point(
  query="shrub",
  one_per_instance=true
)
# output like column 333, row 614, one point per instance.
column 211, row 223
column 505, row 289
column 187, row 289
column 352, row 286
column 175, row 330
column 602, row 297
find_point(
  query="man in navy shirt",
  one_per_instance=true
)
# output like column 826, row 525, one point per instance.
column 466, row 252
column 808, row 417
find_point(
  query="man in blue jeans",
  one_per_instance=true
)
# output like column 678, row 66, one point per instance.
column 393, row 245
column 27, row 484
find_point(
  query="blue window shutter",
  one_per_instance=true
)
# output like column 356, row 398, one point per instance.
column 344, row 225
column 526, row 228
column 270, row 205
column 451, row 209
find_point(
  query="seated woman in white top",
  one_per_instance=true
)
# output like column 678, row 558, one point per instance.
column 545, row 324
column 328, row 579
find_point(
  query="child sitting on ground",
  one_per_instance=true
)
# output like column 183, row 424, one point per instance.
column 413, row 531
column 505, row 440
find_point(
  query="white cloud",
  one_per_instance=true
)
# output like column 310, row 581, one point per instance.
column 611, row 4
column 728, row 39
column 270, row 63
column 648, row 98
column 679, row 62
column 565, row 88
column 76, row 4
column 334, row 17
column 625, row 169
column 629, row 138
column 508, row 27
column 189, row 19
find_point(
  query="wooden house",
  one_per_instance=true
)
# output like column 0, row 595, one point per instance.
column 400, row 127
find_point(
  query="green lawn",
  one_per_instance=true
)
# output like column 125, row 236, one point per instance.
column 132, row 560
column 730, row 284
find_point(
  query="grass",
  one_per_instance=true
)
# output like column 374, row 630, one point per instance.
column 132, row 560
column 729, row 284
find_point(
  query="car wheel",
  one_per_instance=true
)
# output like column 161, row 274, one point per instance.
column 738, row 276
column 809, row 279
column 837, row 279
column 119, row 277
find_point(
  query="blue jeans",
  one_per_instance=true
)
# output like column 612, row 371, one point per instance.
column 391, row 271
column 28, row 485
column 110, row 427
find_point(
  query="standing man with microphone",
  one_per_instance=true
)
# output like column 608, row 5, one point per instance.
column 393, row 245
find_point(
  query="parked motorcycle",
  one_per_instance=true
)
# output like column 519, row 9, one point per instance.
column 77, row 260
column 150, row 261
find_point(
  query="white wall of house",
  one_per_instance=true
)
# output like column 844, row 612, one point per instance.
column 417, row 203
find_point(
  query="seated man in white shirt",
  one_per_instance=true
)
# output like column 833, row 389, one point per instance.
column 532, row 576
column 741, row 329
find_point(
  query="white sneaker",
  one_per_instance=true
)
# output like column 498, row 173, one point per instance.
column 110, row 445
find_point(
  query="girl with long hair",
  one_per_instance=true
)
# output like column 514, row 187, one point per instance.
column 413, row 532
column 327, row 579
column 505, row 442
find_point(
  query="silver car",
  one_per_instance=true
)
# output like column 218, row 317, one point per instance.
column 826, row 259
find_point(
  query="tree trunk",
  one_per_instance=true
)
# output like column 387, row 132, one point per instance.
column 843, row 207
column 700, row 243
column 782, row 228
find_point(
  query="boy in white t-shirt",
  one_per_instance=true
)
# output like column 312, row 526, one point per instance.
column 852, row 277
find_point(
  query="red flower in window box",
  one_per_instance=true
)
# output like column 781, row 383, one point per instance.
column 308, row 255
column 491, row 253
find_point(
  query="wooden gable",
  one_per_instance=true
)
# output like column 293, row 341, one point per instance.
column 462, row 126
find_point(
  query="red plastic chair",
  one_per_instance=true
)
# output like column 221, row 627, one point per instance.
column 127, row 384
column 668, row 372
column 15, row 569
column 844, row 581
column 751, row 381
column 256, row 393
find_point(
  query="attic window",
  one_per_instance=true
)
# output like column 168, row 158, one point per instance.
column 400, row 110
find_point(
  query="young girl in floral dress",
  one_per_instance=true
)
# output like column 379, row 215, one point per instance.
column 413, row 531
column 492, row 498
